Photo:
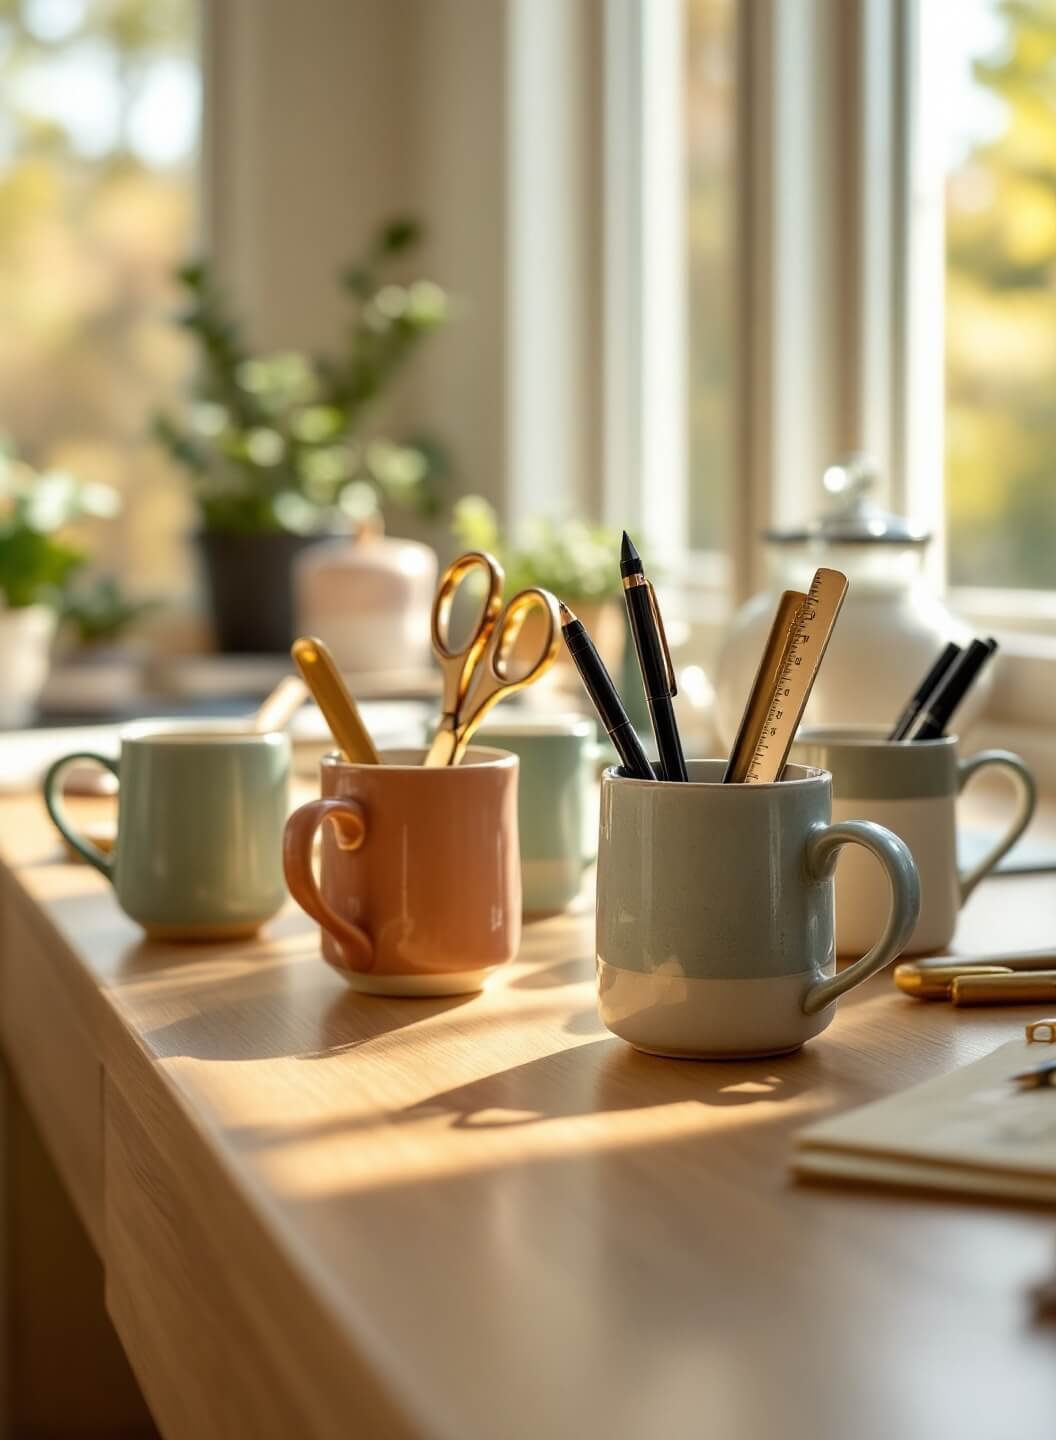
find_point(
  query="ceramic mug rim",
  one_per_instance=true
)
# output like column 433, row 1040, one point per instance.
column 860, row 737
column 811, row 775
column 494, row 759
column 164, row 734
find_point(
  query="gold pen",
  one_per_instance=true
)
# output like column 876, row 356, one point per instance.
column 331, row 694
column 931, row 979
column 934, row 982
column 1038, row 988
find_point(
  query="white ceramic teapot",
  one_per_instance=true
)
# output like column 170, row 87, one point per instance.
column 892, row 626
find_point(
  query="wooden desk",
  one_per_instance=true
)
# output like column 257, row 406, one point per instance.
column 322, row 1215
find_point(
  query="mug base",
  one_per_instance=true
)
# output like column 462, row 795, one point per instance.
column 457, row 982
column 718, row 1054
column 203, row 934
column 703, row 1019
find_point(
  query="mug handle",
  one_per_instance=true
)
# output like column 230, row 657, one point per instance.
column 350, row 823
column 1028, row 799
column 823, row 847
column 52, row 788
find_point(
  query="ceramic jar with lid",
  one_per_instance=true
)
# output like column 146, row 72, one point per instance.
column 892, row 626
column 369, row 598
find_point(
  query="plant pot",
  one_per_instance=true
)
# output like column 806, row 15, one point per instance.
column 26, row 634
column 249, row 579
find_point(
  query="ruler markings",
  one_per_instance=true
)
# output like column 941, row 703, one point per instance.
column 795, row 678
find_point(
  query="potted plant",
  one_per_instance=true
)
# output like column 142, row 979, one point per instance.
column 577, row 561
column 37, row 559
column 275, row 444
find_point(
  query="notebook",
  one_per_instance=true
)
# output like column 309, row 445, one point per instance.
column 972, row 1132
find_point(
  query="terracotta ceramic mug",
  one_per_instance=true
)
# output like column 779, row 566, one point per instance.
column 420, row 884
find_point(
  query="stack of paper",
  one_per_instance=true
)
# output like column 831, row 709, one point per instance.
column 974, row 1132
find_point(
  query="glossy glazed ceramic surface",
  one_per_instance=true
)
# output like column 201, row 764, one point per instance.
column 556, row 802
column 911, row 788
column 715, row 911
column 420, row 870
column 198, row 853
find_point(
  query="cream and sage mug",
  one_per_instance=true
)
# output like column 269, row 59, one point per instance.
column 912, row 788
column 198, row 853
column 715, row 911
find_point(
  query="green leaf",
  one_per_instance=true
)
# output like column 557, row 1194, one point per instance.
column 34, row 568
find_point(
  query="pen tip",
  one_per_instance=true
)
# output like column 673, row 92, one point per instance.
column 630, row 560
column 567, row 616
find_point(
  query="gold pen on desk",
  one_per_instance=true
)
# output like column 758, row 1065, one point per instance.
column 1038, row 988
column 932, row 979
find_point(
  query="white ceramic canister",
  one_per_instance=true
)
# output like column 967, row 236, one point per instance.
column 369, row 599
column 892, row 626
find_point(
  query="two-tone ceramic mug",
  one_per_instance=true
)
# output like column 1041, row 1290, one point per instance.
column 557, row 808
column 715, row 911
column 912, row 788
column 198, row 853
column 420, row 884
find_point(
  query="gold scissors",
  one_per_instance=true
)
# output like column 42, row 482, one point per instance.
column 478, row 676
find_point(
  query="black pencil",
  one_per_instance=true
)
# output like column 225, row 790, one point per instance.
column 604, row 696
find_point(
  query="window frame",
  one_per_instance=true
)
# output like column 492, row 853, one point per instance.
column 841, row 254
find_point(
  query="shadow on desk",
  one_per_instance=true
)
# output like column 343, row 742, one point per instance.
column 605, row 1076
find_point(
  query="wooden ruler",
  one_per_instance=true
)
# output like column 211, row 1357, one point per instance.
column 782, row 691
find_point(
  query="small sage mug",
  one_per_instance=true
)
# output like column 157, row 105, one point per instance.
column 912, row 788
column 198, row 854
column 715, row 911
column 557, row 807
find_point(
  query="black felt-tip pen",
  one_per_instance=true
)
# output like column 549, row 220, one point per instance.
column 943, row 702
column 905, row 722
column 654, row 658
column 604, row 696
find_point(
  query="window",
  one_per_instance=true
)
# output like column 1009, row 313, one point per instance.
column 670, row 288
column 98, row 132
column 1000, row 203
column 710, row 68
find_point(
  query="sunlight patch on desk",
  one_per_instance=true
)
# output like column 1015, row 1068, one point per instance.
column 433, row 1149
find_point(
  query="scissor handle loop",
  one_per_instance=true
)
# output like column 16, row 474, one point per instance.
column 450, row 581
column 519, row 607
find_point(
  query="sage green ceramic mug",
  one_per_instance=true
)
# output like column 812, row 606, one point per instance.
column 198, row 853
column 557, row 806
column 715, row 911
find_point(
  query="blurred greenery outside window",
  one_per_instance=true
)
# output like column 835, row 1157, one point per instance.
column 1000, row 117
column 99, row 121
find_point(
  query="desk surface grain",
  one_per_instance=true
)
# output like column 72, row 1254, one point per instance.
column 520, row 1227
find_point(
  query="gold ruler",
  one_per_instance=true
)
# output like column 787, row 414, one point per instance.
column 793, row 655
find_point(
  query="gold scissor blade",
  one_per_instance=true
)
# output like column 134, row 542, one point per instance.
column 445, row 748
